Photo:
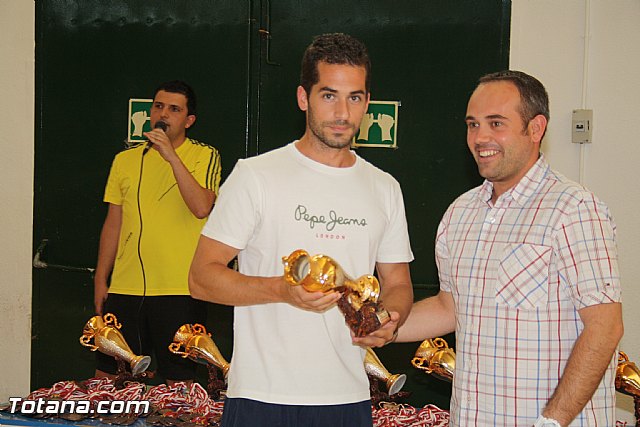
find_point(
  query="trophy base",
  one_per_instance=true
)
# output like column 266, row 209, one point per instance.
column 140, row 364
column 369, row 318
column 395, row 383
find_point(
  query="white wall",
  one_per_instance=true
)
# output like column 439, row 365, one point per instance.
column 547, row 40
column 16, row 192
column 600, row 72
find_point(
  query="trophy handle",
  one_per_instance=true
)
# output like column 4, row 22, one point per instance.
column 84, row 340
column 174, row 348
column 111, row 320
column 418, row 362
column 440, row 343
column 200, row 329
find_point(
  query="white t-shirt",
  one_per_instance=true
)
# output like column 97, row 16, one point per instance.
column 270, row 206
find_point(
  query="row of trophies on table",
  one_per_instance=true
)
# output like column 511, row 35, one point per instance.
column 192, row 341
column 102, row 333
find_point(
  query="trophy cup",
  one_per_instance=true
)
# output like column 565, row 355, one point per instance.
column 104, row 330
column 628, row 381
column 194, row 342
column 435, row 357
column 198, row 346
column 374, row 368
column 359, row 302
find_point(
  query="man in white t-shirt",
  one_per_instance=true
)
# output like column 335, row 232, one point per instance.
column 295, row 362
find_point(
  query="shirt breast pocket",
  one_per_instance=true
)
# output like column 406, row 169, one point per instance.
column 523, row 276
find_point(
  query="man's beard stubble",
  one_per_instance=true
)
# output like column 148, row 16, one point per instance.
column 318, row 131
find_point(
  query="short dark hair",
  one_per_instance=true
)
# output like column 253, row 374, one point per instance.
column 335, row 48
column 178, row 86
column 534, row 99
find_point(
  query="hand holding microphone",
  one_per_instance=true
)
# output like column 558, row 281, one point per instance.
column 159, row 125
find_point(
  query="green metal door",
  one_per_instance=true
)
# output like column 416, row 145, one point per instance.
column 92, row 56
column 243, row 59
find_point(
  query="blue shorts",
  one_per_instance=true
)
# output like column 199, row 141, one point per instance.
column 251, row 413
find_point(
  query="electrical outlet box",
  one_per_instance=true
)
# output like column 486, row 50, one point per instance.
column 582, row 126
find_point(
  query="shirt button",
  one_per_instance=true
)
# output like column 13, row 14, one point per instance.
column 492, row 220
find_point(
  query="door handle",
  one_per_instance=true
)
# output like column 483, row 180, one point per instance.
column 266, row 33
column 39, row 263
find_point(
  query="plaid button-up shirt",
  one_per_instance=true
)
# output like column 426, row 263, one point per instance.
column 519, row 270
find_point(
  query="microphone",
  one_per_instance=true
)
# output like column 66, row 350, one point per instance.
column 159, row 125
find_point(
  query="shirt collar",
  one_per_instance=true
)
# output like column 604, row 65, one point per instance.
column 524, row 189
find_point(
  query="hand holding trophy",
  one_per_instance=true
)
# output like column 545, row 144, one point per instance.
column 359, row 302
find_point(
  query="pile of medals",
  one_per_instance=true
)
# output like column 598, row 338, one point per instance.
column 395, row 415
column 180, row 405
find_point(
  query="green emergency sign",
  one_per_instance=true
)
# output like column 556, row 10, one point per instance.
column 139, row 119
column 379, row 125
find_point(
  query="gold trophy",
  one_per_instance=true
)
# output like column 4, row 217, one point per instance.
column 628, row 381
column 374, row 368
column 359, row 301
column 198, row 346
column 104, row 330
column 435, row 357
column 627, row 376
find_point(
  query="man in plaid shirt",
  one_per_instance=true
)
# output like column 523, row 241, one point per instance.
column 529, row 279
